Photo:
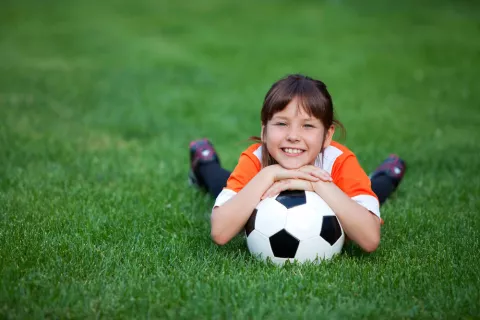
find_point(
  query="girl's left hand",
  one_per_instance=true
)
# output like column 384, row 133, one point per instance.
column 317, row 172
column 288, row 184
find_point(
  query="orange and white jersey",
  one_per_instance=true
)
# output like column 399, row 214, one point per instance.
column 337, row 160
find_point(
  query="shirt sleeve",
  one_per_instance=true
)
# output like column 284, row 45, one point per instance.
column 247, row 167
column 349, row 176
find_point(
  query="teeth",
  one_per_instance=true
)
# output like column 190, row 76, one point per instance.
column 289, row 150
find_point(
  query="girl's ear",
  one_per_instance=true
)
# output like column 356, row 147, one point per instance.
column 329, row 136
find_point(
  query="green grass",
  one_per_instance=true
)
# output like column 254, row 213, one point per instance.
column 98, row 101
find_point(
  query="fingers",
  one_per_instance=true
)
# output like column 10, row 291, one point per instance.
column 307, row 176
column 294, row 174
column 290, row 184
column 276, row 188
column 309, row 173
column 322, row 175
column 317, row 172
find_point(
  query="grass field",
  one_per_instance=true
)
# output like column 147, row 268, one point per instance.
column 99, row 100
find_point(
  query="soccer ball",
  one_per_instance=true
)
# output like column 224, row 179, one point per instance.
column 294, row 225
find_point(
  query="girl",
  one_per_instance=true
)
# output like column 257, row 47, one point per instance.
column 296, row 152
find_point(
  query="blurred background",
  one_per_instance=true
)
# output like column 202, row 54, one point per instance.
column 100, row 99
column 161, row 73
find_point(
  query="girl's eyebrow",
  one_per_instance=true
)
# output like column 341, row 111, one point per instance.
column 287, row 118
column 280, row 118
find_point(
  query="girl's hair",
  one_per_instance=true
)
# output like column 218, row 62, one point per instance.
column 313, row 98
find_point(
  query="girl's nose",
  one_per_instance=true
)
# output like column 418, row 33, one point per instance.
column 293, row 135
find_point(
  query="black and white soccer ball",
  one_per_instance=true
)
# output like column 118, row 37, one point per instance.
column 294, row 225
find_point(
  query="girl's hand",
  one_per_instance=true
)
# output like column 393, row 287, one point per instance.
column 288, row 184
column 279, row 173
column 317, row 172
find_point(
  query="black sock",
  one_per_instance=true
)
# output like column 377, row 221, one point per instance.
column 383, row 187
column 213, row 176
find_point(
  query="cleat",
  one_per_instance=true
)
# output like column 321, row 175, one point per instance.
column 392, row 167
column 201, row 152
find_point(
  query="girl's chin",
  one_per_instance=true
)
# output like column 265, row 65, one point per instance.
column 292, row 165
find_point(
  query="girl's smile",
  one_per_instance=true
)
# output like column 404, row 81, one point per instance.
column 292, row 152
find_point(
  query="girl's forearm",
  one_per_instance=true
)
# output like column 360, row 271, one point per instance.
column 359, row 224
column 228, row 219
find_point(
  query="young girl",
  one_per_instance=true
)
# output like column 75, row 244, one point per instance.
column 296, row 152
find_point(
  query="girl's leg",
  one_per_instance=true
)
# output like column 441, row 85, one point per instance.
column 206, row 171
column 386, row 178
column 383, row 187
column 214, row 177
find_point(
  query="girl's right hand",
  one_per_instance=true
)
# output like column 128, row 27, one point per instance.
column 279, row 173
column 288, row 184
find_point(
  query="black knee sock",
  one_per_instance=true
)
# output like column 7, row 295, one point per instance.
column 383, row 187
column 213, row 176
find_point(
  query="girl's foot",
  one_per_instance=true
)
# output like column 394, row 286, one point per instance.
column 392, row 167
column 201, row 152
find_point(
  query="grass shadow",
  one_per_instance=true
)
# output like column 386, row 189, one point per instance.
column 352, row 250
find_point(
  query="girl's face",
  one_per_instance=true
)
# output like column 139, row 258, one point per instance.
column 293, row 138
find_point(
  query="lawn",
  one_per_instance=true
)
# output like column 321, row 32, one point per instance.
column 99, row 100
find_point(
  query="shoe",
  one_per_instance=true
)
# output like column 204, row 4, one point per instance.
column 393, row 167
column 201, row 152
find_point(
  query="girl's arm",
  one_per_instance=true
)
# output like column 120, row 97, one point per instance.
column 228, row 219
column 359, row 224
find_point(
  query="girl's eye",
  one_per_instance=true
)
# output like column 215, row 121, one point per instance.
column 309, row 126
column 280, row 124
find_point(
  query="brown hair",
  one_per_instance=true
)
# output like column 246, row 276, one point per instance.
column 314, row 99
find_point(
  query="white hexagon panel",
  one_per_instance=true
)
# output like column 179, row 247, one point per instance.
column 314, row 249
column 304, row 222
column 259, row 245
column 317, row 203
column 268, row 218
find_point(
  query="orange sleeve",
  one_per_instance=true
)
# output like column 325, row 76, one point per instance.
column 248, row 166
column 349, row 176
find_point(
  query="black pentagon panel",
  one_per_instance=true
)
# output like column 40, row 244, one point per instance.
column 250, row 225
column 292, row 198
column 283, row 244
column 331, row 229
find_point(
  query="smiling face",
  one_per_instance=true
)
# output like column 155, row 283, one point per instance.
column 294, row 138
